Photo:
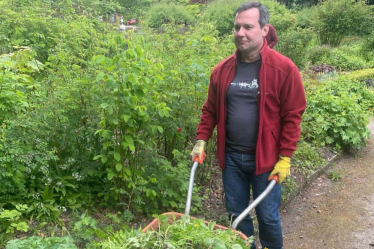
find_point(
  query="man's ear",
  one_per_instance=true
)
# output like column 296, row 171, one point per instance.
column 265, row 30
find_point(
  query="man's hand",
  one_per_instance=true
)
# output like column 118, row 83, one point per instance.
column 198, row 150
column 282, row 168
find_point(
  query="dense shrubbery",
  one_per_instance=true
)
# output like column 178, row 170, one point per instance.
column 337, row 114
column 169, row 14
column 333, row 20
column 295, row 45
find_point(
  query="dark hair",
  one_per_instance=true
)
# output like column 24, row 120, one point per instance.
column 264, row 13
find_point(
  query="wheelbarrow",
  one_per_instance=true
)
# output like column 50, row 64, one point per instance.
column 154, row 225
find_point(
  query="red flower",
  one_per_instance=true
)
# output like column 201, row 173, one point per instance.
column 179, row 129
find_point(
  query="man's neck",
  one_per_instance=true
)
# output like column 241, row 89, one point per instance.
column 250, row 57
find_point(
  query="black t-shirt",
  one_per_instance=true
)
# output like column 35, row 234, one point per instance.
column 242, row 114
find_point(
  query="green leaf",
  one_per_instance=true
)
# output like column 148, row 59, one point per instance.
column 127, row 172
column 110, row 176
column 129, row 139
column 117, row 156
column 126, row 118
column 118, row 167
column 106, row 134
column 104, row 105
column 139, row 93
column 132, row 147
column 104, row 159
column 100, row 76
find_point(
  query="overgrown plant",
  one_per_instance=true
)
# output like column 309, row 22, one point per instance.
column 335, row 117
column 333, row 20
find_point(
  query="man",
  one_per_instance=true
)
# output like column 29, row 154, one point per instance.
column 271, row 37
column 256, row 99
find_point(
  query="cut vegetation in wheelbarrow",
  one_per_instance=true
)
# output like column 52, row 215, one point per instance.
column 179, row 231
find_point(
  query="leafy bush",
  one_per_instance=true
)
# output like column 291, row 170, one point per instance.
column 168, row 14
column 281, row 18
column 344, row 58
column 34, row 242
column 344, row 61
column 360, row 75
column 318, row 54
column 294, row 44
column 306, row 159
column 367, row 50
column 303, row 17
column 337, row 115
column 221, row 14
column 333, row 20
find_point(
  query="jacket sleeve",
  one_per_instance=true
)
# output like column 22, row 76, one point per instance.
column 208, row 118
column 273, row 37
column 293, row 104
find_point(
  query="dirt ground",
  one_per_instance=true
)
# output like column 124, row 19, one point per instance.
column 335, row 213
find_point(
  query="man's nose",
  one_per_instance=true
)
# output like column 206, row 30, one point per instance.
column 240, row 32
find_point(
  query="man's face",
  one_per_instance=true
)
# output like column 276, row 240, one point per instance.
column 248, row 34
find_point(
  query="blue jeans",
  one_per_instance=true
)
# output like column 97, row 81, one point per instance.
column 238, row 178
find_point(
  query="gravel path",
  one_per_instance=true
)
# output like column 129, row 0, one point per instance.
column 335, row 214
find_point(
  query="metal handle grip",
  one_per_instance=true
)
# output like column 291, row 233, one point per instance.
column 190, row 187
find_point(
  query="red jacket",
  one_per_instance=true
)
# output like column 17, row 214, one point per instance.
column 281, row 102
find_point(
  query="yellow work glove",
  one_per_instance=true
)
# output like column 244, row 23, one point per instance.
column 282, row 168
column 198, row 150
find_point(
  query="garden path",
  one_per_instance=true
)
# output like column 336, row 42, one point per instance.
column 335, row 214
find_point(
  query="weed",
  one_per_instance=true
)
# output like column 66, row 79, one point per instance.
column 334, row 175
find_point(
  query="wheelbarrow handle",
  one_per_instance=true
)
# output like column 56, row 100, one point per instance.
column 196, row 163
column 274, row 180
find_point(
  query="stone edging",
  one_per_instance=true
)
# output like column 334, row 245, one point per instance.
column 309, row 180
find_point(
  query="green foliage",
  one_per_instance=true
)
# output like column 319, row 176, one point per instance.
column 294, row 44
column 35, row 242
column 345, row 57
column 367, row 50
column 86, row 230
column 334, row 175
column 360, row 75
column 333, row 20
column 345, row 62
column 221, row 14
column 280, row 17
column 303, row 17
column 182, row 233
column 318, row 54
column 307, row 158
column 142, row 96
column 16, row 82
column 10, row 220
column 160, row 14
column 289, row 185
column 298, row 4
column 337, row 115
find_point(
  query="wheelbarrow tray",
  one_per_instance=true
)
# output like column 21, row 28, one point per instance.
column 154, row 225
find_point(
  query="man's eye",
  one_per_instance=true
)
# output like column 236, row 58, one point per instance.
column 236, row 28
